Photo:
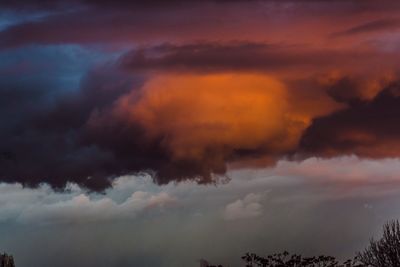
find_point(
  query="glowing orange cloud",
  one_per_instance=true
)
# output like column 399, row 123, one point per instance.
column 196, row 115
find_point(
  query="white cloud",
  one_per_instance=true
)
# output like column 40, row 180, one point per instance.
column 43, row 205
column 249, row 207
column 82, row 208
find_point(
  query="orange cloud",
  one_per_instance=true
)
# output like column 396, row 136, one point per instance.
column 200, row 116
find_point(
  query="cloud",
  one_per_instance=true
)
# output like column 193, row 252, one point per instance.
column 353, row 170
column 372, row 26
column 118, row 122
column 352, row 89
column 248, row 207
column 134, row 197
column 144, row 22
column 81, row 209
column 56, row 4
column 194, row 92
column 366, row 128
column 44, row 206
column 325, row 197
column 50, row 123
column 154, row 97
column 239, row 56
column 278, row 59
column 180, row 136
column 136, row 23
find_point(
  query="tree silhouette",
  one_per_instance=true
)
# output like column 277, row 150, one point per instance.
column 6, row 260
column 384, row 252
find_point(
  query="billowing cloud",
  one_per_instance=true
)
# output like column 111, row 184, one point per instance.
column 177, row 125
column 192, row 125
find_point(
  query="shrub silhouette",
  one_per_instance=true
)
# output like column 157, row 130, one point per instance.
column 384, row 252
column 286, row 259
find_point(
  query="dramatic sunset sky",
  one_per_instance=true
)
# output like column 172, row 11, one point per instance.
column 156, row 133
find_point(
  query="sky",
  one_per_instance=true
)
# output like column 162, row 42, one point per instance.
column 159, row 133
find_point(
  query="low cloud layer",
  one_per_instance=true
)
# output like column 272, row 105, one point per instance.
column 309, row 207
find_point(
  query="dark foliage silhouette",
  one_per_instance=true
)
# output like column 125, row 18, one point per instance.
column 286, row 259
column 384, row 252
column 6, row 260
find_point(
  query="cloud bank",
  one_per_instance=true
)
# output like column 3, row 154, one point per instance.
column 136, row 222
column 179, row 91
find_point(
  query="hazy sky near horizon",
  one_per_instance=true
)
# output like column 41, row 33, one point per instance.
column 156, row 133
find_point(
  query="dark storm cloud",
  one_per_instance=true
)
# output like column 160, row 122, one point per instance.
column 55, row 129
column 72, row 136
column 367, row 128
column 344, row 90
column 81, row 137
column 41, row 136
column 133, row 152
column 59, row 148
column 42, row 110
column 76, row 135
